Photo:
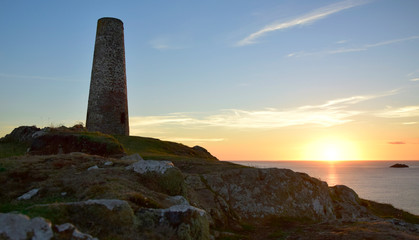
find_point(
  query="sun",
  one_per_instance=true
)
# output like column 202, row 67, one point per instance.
column 332, row 152
column 331, row 149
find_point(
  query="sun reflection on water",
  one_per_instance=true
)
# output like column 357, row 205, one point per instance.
column 332, row 178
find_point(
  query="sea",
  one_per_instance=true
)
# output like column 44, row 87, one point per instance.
column 372, row 180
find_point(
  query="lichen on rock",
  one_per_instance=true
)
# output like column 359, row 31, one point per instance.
column 143, row 166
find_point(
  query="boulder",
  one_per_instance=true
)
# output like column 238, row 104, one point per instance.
column 161, row 176
column 251, row 195
column 182, row 222
column 29, row 194
column 70, row 232
column 143, row 166
column 19, row 227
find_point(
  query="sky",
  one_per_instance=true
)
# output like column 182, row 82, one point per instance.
column 247, row 80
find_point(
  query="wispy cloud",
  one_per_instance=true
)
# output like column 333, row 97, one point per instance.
column 331, row 113
column 403, row 112
column 343, row 102
column 196, row 140
column 341, row 41
column 397, row 142
column 414, row 79
column 308, row 18
column 355, row 49
column 168, row 43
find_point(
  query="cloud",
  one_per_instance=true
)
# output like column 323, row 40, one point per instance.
column 341, row 41
column 410, row 123
column 197, row 140
column 357, row 49
column 414, row 79
column 341, row 102
column 260, row 119
column 308, row 18
column 383, row 43
column 397, row 142
column 332, row 113
column 164, row 43
column 403, row 112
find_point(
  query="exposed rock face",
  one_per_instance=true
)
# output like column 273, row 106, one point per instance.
column 22, row 134
column 346, row 204
column 250, row 195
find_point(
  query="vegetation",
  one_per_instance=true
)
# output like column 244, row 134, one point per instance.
column 152, row 148
column 388, row 211
column 9, row 149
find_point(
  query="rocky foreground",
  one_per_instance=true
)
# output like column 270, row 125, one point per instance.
column 56, row 192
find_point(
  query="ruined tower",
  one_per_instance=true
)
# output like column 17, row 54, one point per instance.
column 107, row 109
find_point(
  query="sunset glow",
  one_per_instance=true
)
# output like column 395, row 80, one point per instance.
column 332, row 149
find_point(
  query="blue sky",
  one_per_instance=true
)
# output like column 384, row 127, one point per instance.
column 233, row 76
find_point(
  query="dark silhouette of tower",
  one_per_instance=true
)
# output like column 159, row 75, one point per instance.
column 107, row 110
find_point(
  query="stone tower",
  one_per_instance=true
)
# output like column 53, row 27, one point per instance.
column 107, row 111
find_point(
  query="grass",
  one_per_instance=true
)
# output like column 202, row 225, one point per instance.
column 25, row 207
column 388, row 211
column 157, row 149
column 10, row 149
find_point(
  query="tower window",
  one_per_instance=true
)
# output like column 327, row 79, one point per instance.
column 123, row 118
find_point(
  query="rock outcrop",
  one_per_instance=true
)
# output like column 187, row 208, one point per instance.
column 23, row 134
column 21, row 227
column 180, row 221
column 251, row 195
column 399, row 165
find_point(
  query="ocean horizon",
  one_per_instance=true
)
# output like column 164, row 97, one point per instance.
column 372, row 180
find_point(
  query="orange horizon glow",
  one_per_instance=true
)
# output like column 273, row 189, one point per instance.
column 332, row 149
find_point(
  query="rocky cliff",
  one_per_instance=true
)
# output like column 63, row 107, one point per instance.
column 85, row 196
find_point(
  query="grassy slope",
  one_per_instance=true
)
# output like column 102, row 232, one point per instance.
column 155, row 148
column 9, row 149
column 187, row 159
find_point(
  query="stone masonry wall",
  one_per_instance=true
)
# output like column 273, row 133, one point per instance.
column 107, row 110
